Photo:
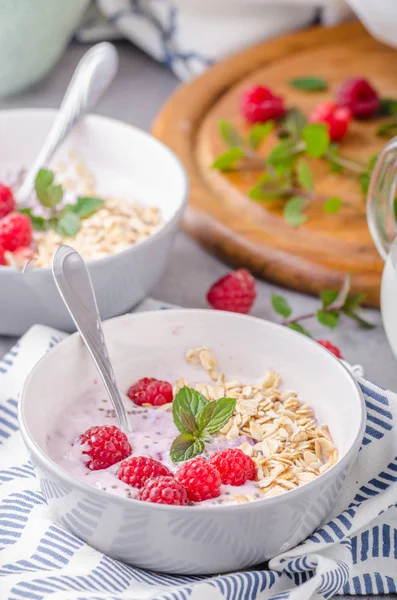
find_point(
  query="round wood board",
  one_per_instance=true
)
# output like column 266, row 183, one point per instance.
column 319, row 254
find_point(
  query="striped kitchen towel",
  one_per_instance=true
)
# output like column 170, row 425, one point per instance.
column 354, row 553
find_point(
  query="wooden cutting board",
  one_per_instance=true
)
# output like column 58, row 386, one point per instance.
column 220, row 216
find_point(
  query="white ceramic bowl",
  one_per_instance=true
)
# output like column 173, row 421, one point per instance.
column 126, row 162
column 198, row 539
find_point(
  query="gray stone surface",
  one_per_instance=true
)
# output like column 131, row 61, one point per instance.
column 140, row 89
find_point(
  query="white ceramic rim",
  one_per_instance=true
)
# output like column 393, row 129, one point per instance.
column 289, row 496
column 160, row 232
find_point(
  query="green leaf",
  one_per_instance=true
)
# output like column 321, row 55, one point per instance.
column 309, row 84
column 281, row 306
column 328, row 319
column 328, row 297
column 332, row 156
column 188, row 402
column 68, row 224
column 293, row 211
column 298, row 327
column 229, row 134
column 388, row 107
column 185, row 447
column 86, row 206
column 214, row 415
column 48, row 194
column 387, row 129
column 364, row 179
column 359, row 319
column 332, row 205
column 263, row 193
column 259, row 133
column 316, row 137
column 38, row 223
column 228, row 159
column 283, row 154
column 293, row 124
column 189, row 422
column 304, row 174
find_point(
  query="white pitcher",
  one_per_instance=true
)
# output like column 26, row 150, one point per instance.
column 382, row 223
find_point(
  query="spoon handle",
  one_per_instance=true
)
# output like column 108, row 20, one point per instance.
column 74, row 284
column 92, row 77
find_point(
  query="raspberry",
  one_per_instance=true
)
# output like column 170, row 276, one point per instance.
column 2, row 257
column 7, row 202
column 105, row 446
column 359, row 96
column 163, row 490
column 259, row 104
column 151, row 391
column 234, row 466
column 136, row 471
column 15, row 230
column 334, row 349
column 235, row 292
column 201, row 480
column 337, row 118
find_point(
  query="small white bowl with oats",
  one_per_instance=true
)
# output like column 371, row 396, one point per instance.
column 126, row 241
column 299, row 416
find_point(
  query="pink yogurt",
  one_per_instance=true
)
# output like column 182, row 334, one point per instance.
column 152, row 435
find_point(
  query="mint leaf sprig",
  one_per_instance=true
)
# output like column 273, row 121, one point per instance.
column 66, row 220
column 287, row 176
column 334, row 304
column 197, row 419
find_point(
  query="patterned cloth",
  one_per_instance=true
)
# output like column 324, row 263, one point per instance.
column 189, row 35
column 354, row 553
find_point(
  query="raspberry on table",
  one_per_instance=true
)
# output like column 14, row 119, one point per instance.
column 15, row 231
column 337, row 119
column 201, row 480
column 149, row 390
column 258, row 104
column 334, row 349
column 137, row 470
column 235, row 292
column 7, row 201
column 359, row 96
column 234, row 466
column 104, row 446
column 163, row 490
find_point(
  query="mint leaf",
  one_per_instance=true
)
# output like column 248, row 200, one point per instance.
column 264, row 193
column 281, row 306
column 184, row 447
column 228, row 159
column 189, row 422
column 388, row 107
column 316, row 138
column 304, row 174
column 229, row 134
column 297, row 327
column 68, row 224
column 332, row 156
column 359, row 319
column 309, row 84
column 328, row 297
column 332, row 205
column 328, row 319
column 293, row 211
column 293, row 124
column 259, row 133
column 86, row 206
column 38, row 223
column 364, row 179
column 214, row 415
column 387, row 129
column 187, row 402
column 283, row 154
column 48, row 194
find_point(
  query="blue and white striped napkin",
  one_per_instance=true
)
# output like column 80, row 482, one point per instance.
column 354, row 553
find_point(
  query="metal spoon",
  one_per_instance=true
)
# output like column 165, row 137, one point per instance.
column 92, row 77
column 74, row 284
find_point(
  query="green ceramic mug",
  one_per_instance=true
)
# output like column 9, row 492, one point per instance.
column 33, row 36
